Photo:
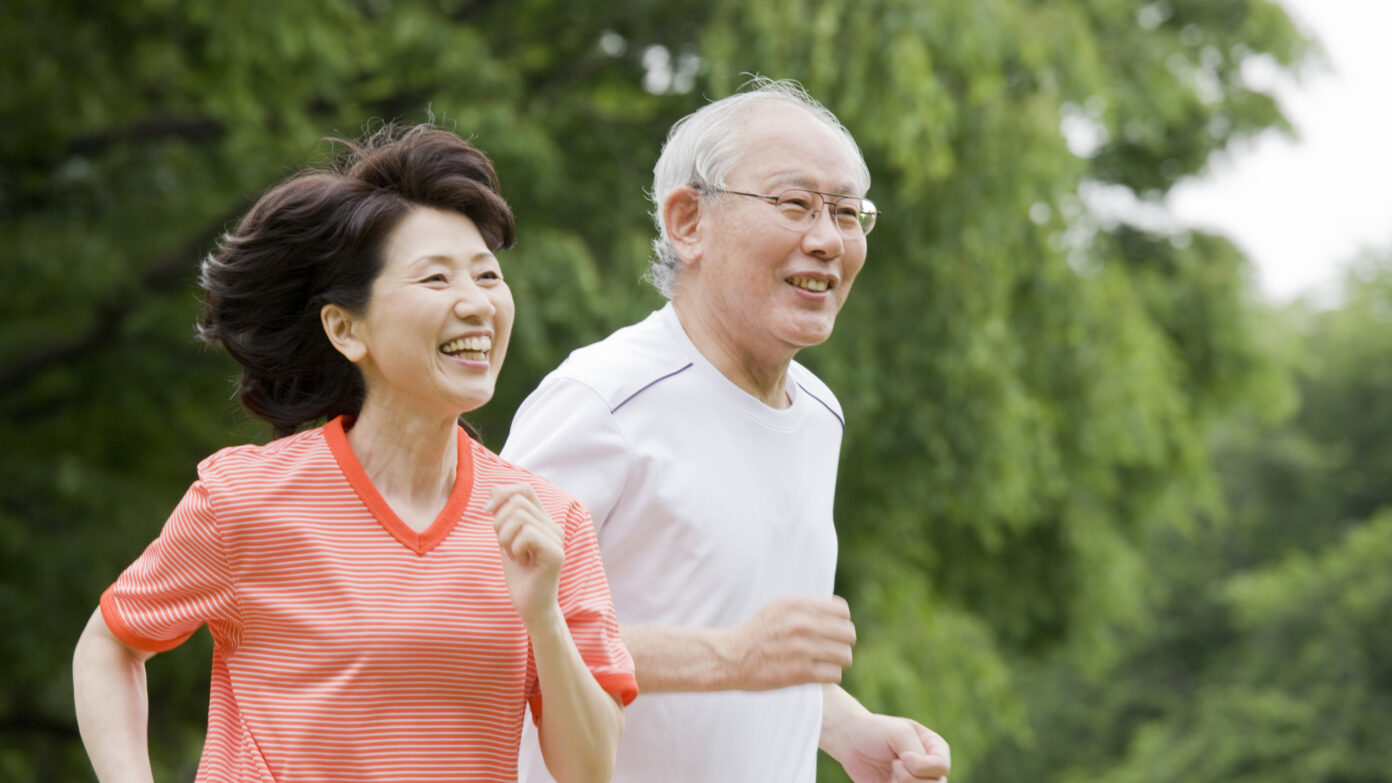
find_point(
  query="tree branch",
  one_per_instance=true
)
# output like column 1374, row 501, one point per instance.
column 146, row 130
column 165, row 274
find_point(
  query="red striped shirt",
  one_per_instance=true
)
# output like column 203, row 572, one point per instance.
column 347, row 646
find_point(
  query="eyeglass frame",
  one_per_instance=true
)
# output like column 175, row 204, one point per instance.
column 832, row 198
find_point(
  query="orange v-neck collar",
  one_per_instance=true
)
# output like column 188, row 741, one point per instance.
column 336, row 435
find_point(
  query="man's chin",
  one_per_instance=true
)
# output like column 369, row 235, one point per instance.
column 805, row 333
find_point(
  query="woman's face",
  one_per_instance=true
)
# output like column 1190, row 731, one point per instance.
column 435, row 330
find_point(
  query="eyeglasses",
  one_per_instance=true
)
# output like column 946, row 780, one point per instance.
column 800, row 208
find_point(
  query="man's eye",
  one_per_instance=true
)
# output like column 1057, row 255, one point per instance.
column 795, row 206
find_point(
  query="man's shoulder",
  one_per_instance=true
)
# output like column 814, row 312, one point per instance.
column 624, row 363
column 808, row 383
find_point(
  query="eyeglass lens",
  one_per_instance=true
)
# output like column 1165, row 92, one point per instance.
column 854, row 216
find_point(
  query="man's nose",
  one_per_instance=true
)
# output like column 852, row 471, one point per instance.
column 823, row 237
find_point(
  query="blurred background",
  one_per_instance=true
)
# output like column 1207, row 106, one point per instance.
column 1111, row 508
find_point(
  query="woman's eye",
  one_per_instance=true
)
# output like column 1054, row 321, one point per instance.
column 491, row 274
column 436, row 278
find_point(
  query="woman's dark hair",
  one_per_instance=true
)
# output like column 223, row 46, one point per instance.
column 316, row 239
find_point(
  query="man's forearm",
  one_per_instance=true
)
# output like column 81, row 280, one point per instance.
column 672, row 658
column 793, row 640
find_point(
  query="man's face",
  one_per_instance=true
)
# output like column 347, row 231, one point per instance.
column 767, row 288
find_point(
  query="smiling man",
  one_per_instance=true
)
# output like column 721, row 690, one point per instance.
column 707, row 457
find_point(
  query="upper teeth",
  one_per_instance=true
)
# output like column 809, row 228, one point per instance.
column 475, row 344
column 809, row 284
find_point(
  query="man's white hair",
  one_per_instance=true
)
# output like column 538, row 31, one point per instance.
column 705, row 146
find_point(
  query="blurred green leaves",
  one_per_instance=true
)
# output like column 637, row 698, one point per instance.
column 1264, row 655
column 1031, row 392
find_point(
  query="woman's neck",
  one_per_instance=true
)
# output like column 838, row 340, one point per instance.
column 411, row 460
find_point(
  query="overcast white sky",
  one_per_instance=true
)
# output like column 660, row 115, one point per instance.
column 1302, row 209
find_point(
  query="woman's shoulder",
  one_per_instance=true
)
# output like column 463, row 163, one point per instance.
column 278, row 458
column 491, row 470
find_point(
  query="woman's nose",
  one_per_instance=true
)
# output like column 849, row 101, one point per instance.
column 473, row 302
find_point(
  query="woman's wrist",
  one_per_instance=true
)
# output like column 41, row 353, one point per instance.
column 545, row 620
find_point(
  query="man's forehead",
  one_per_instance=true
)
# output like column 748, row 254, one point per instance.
column 774, row 131
column 801, row 179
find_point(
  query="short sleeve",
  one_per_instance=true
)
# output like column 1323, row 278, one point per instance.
column 179, row 583
column 584, row 598
column 565, row 433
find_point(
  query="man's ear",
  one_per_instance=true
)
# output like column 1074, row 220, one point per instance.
column 341, row 327
column 681, row 212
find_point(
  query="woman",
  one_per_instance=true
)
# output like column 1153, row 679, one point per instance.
column 385, row 595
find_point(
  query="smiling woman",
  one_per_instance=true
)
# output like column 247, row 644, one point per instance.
column 321, row 239
column 434, row 333
column 380, row 581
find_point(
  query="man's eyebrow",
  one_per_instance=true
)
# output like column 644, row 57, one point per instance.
column 791, row 178
column 798, row 179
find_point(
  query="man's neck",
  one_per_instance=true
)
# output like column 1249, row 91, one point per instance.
column 764, row 378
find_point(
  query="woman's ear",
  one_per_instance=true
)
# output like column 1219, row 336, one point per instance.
column 681, row 212
column 341, row 327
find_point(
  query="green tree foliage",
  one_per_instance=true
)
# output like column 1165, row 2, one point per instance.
column 1027, row 387
column 1266, row 658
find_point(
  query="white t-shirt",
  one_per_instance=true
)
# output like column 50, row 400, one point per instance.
column 708, row 504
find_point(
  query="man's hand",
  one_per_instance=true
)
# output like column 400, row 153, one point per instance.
column 792, row 641
column 880, row 748
column 883, row 748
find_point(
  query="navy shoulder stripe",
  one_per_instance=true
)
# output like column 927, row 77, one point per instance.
column 626, row 400
column 830, row 409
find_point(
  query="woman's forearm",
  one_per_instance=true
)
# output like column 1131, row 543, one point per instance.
column 580, row 722
column 112, row 704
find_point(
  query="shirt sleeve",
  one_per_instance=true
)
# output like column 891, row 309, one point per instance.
column 565, row 433
column 179, row 583
column 583, row 594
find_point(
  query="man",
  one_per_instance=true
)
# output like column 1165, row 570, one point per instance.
column 707, row 458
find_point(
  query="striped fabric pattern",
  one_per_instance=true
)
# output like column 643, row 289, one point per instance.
column 347, row 645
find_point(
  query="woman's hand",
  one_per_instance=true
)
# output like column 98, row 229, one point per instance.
column 533, row 548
